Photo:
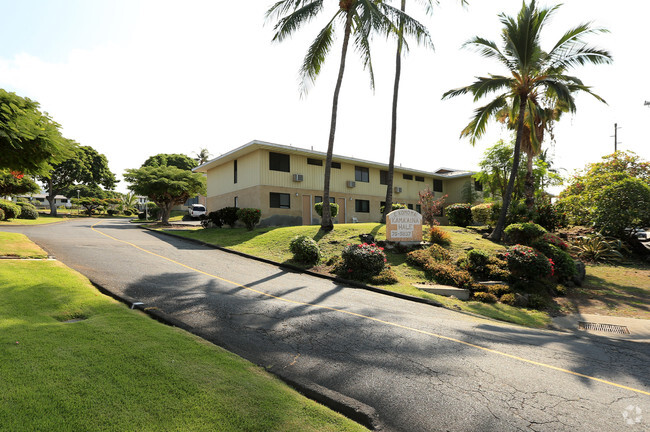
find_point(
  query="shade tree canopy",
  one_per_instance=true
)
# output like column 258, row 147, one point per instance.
column 86, row 167
column 177, row 160
column 30, row 141
column 166, row 186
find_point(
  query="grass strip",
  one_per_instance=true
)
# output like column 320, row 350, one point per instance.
column 19, row 246
column 117, row 369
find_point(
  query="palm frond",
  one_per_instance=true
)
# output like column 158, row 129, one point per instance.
column 410, row 27
column 290, row 23
column 283, row 7
column 476, row 127
column 481, row 87
column 316, row 54
column 560, row 91
column 362, row 45
column 487, row 49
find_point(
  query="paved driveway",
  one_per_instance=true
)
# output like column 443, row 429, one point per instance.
column 422, row 368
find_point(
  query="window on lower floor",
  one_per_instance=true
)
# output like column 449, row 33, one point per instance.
column 437, row 185
column 409, row 206
column 418, row 208
column 280, row 200
column 478, row 186
column 362, row 206
column 236, row 201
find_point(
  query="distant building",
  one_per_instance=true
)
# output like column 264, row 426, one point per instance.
column 285, row 182
column 40, row 200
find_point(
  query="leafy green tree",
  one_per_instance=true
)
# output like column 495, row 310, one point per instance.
column 166, row 186
column 494, row 169
column 532, row 72
column 585, row 202
column 12, row 183
column 172, row 159
column 360, row 18
column 622, row 205
column 86, row 167
column 90, row 204
column 30, row 141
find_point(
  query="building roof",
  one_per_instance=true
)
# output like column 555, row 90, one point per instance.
column 441, row 173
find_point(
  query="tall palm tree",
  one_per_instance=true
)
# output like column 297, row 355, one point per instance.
column 202, row 156
column 428, row 4
column 532, row 71
column 360, row 19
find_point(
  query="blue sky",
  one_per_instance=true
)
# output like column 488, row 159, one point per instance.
column 139, row 77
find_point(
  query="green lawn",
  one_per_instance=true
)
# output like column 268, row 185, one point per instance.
column 42, row 219
column 117, row 369
column 273, row 243
column 19, row 246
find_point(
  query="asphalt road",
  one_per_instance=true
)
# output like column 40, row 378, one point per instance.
column 420, row 367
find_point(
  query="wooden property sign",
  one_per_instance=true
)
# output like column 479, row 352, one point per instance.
column 404, row 225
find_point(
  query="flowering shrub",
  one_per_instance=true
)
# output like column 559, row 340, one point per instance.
column 563, row 265
column 305, row 249
column 523, row 233
column 362, row 261
column 527, row 263
column 431, row 207
column 439, row 236
column 249, row 217
column 482, row 213
column 555, row 241
column 459, row 214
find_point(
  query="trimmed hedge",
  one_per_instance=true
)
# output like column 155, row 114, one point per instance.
column 459, row 214
column 482, row 213
column 305, row 249
column 334, row 209
column 11, row 210
column 524, row 233
column 249, row 217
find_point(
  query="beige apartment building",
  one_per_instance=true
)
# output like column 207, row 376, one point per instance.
column 285, row 182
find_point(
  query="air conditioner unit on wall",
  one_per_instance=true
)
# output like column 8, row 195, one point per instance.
column 351, row 183
column 297, row 177
column 398, row 189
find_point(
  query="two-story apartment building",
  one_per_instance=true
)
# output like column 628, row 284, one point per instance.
column 285, row 182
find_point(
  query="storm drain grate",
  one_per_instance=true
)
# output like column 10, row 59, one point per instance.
column 610, row 328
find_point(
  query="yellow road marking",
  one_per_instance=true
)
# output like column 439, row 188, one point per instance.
column 544, row 365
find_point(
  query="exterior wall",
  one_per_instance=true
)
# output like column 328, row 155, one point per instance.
column 256, row 181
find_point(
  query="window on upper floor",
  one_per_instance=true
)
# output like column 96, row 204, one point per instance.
column 317, row 162
column 361, row 174
column 419, row 178
column 437, row 185
column 279, row 162
column 235, row 171
column 336, row 165
column 279, row 200
column 383, row 177
column 407, row 176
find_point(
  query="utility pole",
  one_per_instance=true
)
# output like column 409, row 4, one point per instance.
column 616, row 142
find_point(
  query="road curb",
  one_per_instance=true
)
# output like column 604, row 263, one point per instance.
column 297, row 269
column 351, row 408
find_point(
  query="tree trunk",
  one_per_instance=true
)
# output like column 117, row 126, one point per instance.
column 50, row 197
column 498, row 230
column 393, row 131
column 326, row 222
column 165, row 211
column 529, row 183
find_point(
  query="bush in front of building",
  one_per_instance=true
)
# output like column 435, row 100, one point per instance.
column 459, row 214
column 11, row 210
column 2, row 215
column 249, row 217
column 393, row 206
column 334, row 209
column 482, row 214
column 362, row 261
column 305, row 250
column 27, row 210
column 228, row 215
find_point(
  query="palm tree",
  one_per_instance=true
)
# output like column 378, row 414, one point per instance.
column 202, row 156
column 532, row 71
column 360, row 18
